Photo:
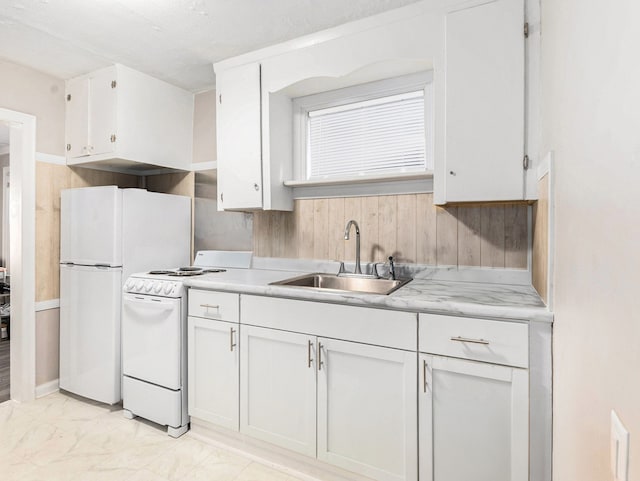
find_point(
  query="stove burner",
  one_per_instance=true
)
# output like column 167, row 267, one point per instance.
column 185, row 272
column 181, row 273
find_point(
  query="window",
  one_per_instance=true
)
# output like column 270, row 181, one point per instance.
column 376, row 130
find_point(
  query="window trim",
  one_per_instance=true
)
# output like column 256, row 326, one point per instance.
column 358, row 93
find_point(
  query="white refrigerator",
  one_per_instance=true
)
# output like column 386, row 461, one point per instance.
column 106, row 234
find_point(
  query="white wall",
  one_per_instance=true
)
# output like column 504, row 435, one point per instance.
column 591, row 119
column 26, row 90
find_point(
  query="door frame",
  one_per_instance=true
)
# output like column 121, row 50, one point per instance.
column 5, row 218
column 22, row 213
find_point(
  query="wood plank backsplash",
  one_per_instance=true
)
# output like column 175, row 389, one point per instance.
column 409, row 227
column 540, row 254
column 50, row 180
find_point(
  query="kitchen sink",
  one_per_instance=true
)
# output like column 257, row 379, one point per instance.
column 344, row 283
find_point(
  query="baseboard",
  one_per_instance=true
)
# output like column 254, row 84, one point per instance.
column 47, row 388
column 294, row 464
column 48, row 304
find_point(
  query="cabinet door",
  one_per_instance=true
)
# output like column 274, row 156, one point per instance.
column 239, row 138
column 102, row 111
column 474, row 421
column 77, row 118
column 484, row 103
column 278, row 388
column 213, row 366
column 367, row 413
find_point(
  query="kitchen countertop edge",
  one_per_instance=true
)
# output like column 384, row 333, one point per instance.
column 411, row 298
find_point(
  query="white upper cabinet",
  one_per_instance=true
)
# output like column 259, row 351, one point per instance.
column 485, row 75
column 474, row 52
column 120, row 119
column 239, row 138
column 90, row 115
column 254, row 154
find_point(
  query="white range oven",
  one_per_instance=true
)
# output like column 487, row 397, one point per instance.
column 154, row 339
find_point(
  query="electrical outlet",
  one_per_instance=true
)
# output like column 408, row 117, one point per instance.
column 619, row 449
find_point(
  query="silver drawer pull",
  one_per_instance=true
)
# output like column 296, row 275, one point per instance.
column 424, row 376
column 320, row 361
column 232, row 344
column 466, row 339
column 210, row 306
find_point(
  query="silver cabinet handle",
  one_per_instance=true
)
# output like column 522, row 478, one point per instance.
column 231, row 343
column 466, row 339
column 309, row 353
column 424, row 376
column 210, row 306
column 320, row 356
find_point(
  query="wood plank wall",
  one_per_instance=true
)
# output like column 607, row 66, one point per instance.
column 50, row 180
column 178, row 183
column 409, row 227
column 540, row 249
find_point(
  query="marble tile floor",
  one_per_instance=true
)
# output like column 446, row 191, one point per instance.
column 60, row 437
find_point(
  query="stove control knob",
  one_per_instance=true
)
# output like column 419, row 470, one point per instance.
column 168, row 288
column 139, row 285
column 148, row 285
column 129, row 285
column 157, row 287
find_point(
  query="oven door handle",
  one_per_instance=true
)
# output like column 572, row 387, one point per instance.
column 156, row 307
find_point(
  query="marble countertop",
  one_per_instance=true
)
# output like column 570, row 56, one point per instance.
column 471, row 299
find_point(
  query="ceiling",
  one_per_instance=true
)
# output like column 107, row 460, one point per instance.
column 174, row 40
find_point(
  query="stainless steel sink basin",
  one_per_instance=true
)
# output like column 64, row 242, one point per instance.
column 371, row 285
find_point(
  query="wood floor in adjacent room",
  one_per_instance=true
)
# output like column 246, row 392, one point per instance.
column 4, row 370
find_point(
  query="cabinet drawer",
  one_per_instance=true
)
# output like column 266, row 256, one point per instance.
column 350, row 323
column 499, row 342
column 214, row 305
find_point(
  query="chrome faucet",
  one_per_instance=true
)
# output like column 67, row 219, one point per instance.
column 357, row 270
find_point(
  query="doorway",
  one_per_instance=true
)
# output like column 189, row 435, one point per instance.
column 21, row 212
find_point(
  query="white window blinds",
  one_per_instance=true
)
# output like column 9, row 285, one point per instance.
column 377, row 136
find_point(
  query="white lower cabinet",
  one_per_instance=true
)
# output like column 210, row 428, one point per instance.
column 367, row 412
column 278, row 388
column 346, row 385
column 365, row 396
column 474, row 421
column 213, row 371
